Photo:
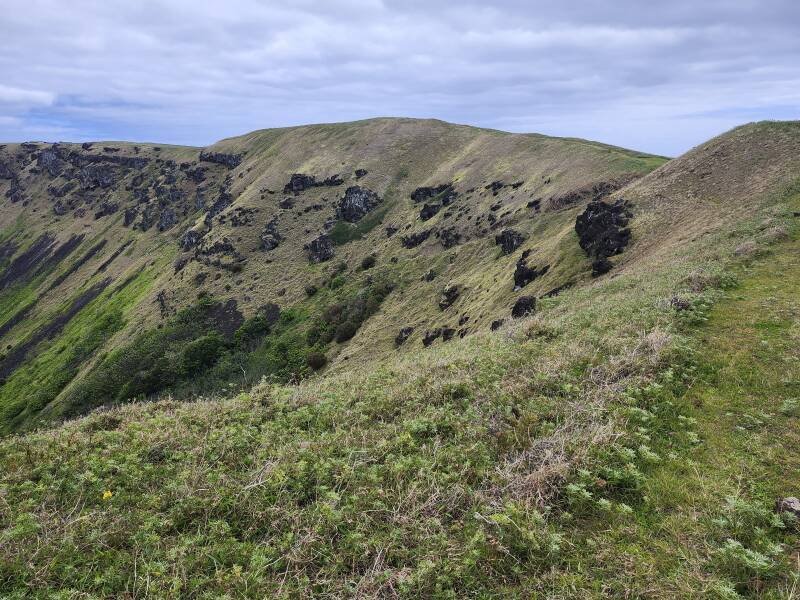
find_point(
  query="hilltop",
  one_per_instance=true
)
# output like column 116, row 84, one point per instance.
column 618, row 419
column 328, row 243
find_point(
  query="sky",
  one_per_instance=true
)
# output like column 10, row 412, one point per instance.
column 659, row 77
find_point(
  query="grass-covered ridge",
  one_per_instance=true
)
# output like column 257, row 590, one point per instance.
column 566, row 455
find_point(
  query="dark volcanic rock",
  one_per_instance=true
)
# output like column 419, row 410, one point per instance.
column 299, row 182
column 360, row 173
column 6, row 172
column 509, row 240
column 270, row 238
column 449, row 237
column 415, row 239
column 449, row 295
column 221, row 158
column 497, row 324
column 167, row 219
column 429, row 210
column 602, row 228
column 130, row 215
column 50, row 160
column 59, row 208
column 390, row 230
column 96, row 175
column 524, row 305
column 286, row 203
column 320, row 249
column 603, row 231
column 403, row 335
column 448, row 333
column 601, row 266
column 445, row 192
column 524, row 274
column 431, row 336
column 356, row 203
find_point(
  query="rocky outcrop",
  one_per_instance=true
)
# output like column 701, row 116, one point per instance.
column 96, row 175
column 270, row 238
column 449, row 237
column 50, row 160
column 509, row 240
column 403, row 335
column 356, row 203
column 449, row 295
column 523, row 274
column 221, row 158
column 429, row 210
column 524, row 305
column 415, row 239
column 444, row 192
column 431, row 336
column 603, row 232
column 300, row 181
column 320, row 249
column 167, row 219
column 360, row 173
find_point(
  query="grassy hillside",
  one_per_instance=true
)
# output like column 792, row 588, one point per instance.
column 627, row 440
column 104, row 214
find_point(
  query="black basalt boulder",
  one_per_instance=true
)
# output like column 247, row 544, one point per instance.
column 524, row 305
column 320, row 249
column 356, row 203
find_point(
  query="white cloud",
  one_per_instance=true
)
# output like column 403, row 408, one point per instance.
column 19, row 96
column 190, row 71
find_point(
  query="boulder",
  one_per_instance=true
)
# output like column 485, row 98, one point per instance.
column 509, row 240
column 356, row 203
column 403, row 335
column 524, row 305
column 524, row 274
column 167, row 219
column 222, row 158
column 603, row 232
column 431, row 336
column 415, row 239
column 449, row 295
column 360, row 173
column 189, row 239
column 445, row 193
column 788, row 505
column 320, row 249
column 270, row 238
column 429, row 210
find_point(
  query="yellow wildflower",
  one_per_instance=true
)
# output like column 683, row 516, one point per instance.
column 107, row 494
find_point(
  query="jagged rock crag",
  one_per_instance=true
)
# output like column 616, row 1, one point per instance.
column 356, row 203
column 603, row 232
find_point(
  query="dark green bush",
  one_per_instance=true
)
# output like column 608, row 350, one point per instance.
column 345, row 331
column 368, row 262
column 316, row 360
column 201, row 353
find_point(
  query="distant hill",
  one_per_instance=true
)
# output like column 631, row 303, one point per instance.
column 102, row 242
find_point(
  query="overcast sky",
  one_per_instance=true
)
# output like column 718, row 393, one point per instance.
column 656, row 76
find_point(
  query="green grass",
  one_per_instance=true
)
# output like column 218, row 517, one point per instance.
column 36, row 384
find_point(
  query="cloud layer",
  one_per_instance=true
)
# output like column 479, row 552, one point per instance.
column 659, row 77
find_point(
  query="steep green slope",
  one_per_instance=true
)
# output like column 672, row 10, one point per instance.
column 230, row 225
column 585, row 451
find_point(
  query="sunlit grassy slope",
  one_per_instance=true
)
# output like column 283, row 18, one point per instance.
column 398, row 155
column 626, row 441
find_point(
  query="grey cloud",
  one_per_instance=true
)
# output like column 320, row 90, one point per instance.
column 660, row 78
